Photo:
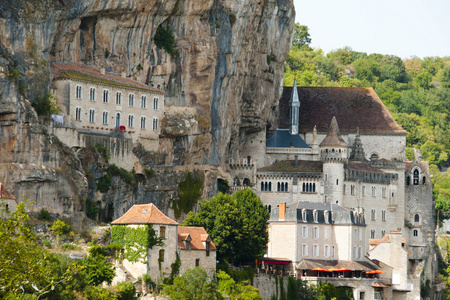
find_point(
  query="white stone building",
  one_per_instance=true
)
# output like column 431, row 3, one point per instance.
column 192, row 245
column 96, row 107
column 347, row 150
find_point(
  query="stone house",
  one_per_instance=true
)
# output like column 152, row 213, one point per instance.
column 341, row 146
column 97, row 107
column 192, row 245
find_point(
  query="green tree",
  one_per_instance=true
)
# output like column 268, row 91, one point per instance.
column 59, row 227
column 232, row 290
column 193, row 284
column 237, row 225
column 301, row 38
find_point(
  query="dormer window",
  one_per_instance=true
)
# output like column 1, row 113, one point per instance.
column 326, row 216
column 304, row 215
column 316, row 216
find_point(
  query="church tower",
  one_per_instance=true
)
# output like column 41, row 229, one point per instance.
column 294, row 107
column 333, row 154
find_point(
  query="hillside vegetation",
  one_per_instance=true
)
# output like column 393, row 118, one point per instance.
column 416, row 91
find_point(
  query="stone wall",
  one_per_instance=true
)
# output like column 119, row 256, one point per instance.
column 189, row 258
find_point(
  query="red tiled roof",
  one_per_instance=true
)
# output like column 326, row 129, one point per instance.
column 4, row 194
column 198, row 236
column 83, row 72
column 352, row 107
column 333, row 138
column 143, row 214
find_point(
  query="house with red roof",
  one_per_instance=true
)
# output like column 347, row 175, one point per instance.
column 192, row 246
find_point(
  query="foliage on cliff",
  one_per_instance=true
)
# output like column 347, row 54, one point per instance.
column 189, row 192
column 236, row 223
column 416, row 91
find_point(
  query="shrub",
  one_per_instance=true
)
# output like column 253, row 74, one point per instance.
column 149, row 172
column 44, row 215
column 60, row 227
column 125, row 291
column 92, row 209
column 67, row 247
column 164, row 39
column 47, row 243
column 46, row 105
column 103, row 151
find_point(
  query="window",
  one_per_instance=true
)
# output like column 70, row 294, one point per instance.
column 161, row 255
column 332, row 251
column 344, row 189
column 326, row 233
column 360, row 252
column 92, row 115
column 315, row 250
column 270, row 186
column 143, row 122
column 337, row 181
column 408, row 180
column 131, row 100
column 363, row 190
column 352, row 190
column 316, row 216
column 304, row 250
column 326, row 215
column 372, row 215
column 416, row 218
column 325, row 250
column 118, row 120
column 372, row 234
column 361, row 295
column 105, row 117
column 373, row 191
column 278, row 187
column 118, row 98
column 416, row 177
column 424, row 180
column 105, row 96
column 197, row 262
column 383, row 192
column 316, row 232
column 355, row 234
column 78, row 92
column 78, row 113
column 92, row 94
column 360, row 234
column 415, row 233
column 355, row 252
column 304, row 215
column 208, row 247
column 304, row 232
column 130, row 121
column 155, row 103
column 144, row 101
column 383, row 215
column 383, row 233
column 155, row 124
column 162, row 232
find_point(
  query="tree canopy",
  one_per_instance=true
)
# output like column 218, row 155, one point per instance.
column 236, row 223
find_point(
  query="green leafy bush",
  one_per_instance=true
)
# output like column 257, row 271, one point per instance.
column 125, row 291
column 164, row 39
column 60, row 227
column 46, row 105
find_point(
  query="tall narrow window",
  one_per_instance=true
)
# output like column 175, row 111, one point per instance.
column 383, row 215
column 78, row 92
column 105, row 96
column 92, row 94
column 286, row 187
column 144, row 101
column 155, row 124
column 118, row 120
column 131, row 100
column 372, row 234
column 78, row 113
column 316, row 232
column 118, row 98
column 416, row 177
column 416, row 233
column 208, row 248
column 130, row 121
column 304, row 250
column 304, row 232
column 416, row 218
column 372, row 215
column 155, row 103
column 316, row 250
column 143, row 122
column 278, row 187
column 161, row 255
column 316, row 216
column 270, row 186
column 105, row 117
column 162, row 232
column 92, row 115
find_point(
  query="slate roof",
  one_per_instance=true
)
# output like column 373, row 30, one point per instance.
column 4, row 194
column 197, row 234
column 282, row 138
column 144, row 214
column 85, row 73
column 305, row 166
column 362, row 166
column 352, row 107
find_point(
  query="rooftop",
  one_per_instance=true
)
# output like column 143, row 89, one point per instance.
column 83, row 72
column 306, row 166
column 198, row 235
column 384, row 239
column 4, row 194
column 333, row 138
column 362, row 166
column 282, row 138
column 352, row 107
column 144, row 214
column 308, row 264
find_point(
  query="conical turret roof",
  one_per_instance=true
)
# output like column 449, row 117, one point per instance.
column 333, row 138
column 294, row 94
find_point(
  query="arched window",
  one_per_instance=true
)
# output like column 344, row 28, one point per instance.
column 278, row 187
column 118, row 120
column 270, row 208
column 314, row 188
column 304, row 187
column 408, row 180
column 424, row 180
column 310, row 187
column 282, row 187
column 415, row 233
column 416, row 177
column 286, row 187
column 265, row 186
column 270, row 186
column 304, row 215
column 248, row 160
column 416, row 218
column 262, row 186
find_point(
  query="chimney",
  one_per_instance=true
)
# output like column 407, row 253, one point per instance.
column 282, row 211
column 102, row 70
column 296, row 161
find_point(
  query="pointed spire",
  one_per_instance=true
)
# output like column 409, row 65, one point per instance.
column 357, row 149
column 314, row 141
column 333, row 138
column 294, row 106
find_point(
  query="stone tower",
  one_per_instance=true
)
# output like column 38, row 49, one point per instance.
column 294, row 107
column 357, row 149
column 333, row 154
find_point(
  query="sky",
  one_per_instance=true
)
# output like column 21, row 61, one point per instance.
column 398, row 27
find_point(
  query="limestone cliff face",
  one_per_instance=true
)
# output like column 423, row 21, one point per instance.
column 227, row 72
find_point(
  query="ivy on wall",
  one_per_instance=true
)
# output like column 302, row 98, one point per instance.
column 135, row 241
